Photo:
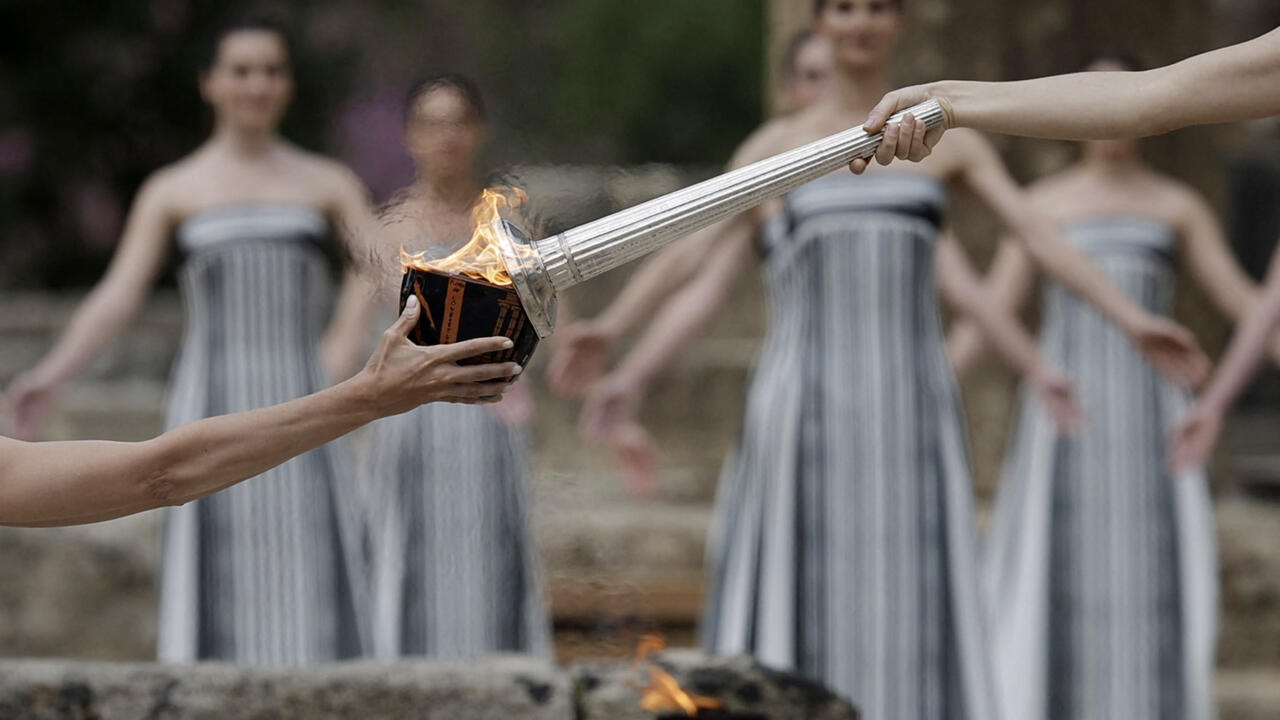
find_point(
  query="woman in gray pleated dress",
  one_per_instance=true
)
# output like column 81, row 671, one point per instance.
column 456, row 572
column 1101, row 566
column 269, row 572
column 843, row 543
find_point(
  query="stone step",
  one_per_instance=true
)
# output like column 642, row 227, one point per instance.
column 491, row 688
column 1250, row 694
column 658, row 598
column 86, row 592
column 1249, row 557
column 619, row 538
column 128, row 409
column 31, row 322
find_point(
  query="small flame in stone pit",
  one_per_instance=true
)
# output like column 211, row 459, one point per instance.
column 481, row 256
column 663, row 692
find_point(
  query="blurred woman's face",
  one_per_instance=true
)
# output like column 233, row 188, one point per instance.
column 862, row 32
column 811, row 75
column 251, row 83
column 444, row 136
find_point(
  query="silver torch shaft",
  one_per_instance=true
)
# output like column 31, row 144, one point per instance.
column 539, row 269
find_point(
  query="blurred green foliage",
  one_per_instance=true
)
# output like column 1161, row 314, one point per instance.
column 93, row 100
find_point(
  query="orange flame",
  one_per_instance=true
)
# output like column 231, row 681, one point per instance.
column 481, row 256
column 663, row 692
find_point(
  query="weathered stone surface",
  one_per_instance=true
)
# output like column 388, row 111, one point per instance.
column 1249, row 548
column 612, row 691
column 87, row 592
column 1249, row 695
column 495, row 688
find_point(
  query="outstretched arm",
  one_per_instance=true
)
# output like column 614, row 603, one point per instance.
column 583, row 348
column 1198, row 433
column 1170, row 347
column 67, row 483
column 1007, row 285
column 1211, row 263
column 1239, row 82
column 961, row 288
column 615, row 397
column 369, row 266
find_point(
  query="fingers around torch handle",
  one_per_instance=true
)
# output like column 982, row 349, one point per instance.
column 888, row 147
column 906, row 136
column 919, row 147
column 892, row 103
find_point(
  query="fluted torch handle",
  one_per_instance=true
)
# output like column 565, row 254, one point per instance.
column 588, row 250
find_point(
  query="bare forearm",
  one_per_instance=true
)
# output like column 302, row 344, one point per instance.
column 686, row 314
column 963, row 290
column 346, row 341
column 1226, row 85
column 1248, row 345
column 1010, row 341
column 657, row 279
column 99, row 320
column 1007, row 285
column 77, row 482
column 221, row 451
column 965, row 346
column 1070, row 267
column 1062, row 107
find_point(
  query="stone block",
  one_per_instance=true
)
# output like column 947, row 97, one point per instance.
column 612, row 691
column 492, row 688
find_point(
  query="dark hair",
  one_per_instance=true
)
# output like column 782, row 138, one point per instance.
column 1124, row 59
column 792, row 53
column 245, row 23
column 820, row 5
column 457, row 82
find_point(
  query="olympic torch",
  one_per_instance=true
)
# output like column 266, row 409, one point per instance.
column 519, row 301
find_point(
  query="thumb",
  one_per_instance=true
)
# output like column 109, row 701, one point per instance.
column 881, row 113
column 408, row 318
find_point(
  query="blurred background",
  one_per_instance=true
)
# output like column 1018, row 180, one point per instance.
column 597, row 106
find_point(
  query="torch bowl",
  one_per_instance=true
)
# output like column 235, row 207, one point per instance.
column 456, row 308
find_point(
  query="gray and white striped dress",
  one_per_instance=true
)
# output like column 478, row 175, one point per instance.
column 1101, row 564
column 843, row 544
column 456, row 571
column 267, row 572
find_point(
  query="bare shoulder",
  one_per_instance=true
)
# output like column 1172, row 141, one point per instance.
column 166, row 189
column 1179, row 197
column 963, row 150
column 331, row 176
column 1052, row 188
column 968, row 144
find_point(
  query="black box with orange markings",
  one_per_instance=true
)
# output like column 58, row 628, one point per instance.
column 456, row 308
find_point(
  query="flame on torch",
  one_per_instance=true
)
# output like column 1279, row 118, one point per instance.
column 481, row 256
column 663, row 692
